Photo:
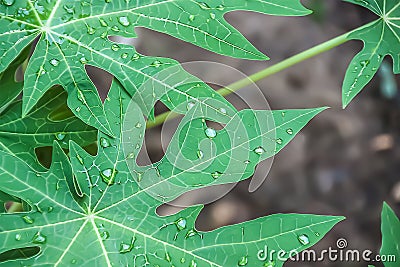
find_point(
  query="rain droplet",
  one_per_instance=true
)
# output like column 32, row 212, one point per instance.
column 364, row 63
column 80, row 159
column 60, row 136
column 138, row 125
column 247, row 162
column 220, row 7
column 167, row 257
column 124, row 21
column 108, row 175
column 204, row 6
column 104, row 235
column 303, row 239
column 212, row 15
column 90, row 30
column 130, row 156
column 216, row 175
column 156, row 64
column 103, row 23
column 124, row 55
column 180, row 224
column 210, row 133
column 200, row 154
column 289, row 131
column 259, row 150
column 104, row 142
column 192, row 17
column 191, row 233
column 115, row 47
column 28, row 219
column 317, row 234
column 54, row 62
column 182, row 260
column 222, row 110
column 41, row 71
column 50, row 209
column 39, row 238
column 125, row 248
column 279, row 141
column 83, row 60
column 190, row 105
column 193, row 264
column 243, row 261
column 18, row 237
column 8, row 2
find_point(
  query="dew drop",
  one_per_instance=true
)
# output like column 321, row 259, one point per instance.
column 104, row 235
column 279, row 141
column 124, row 21
column 115, row 47
column 28, row 219
column 216, row 175
column 191, row 233
column 80, row 159
column 303, row 239
column 83, row 60
column 156, row 64
column 103, row 23
column 168, row 257
column 243, row 261
column 289, row 131
column 190, row 105
column 60, row 136
column 125, row 248
column 212, row 15
column 18, row 237
column 104, row 142
column 54, row 62
column 180, row 224
column 108, row 175
column 41, row 71
column 8, row 2
column 210, row 133
column 39, row 238
column 90, row 30
column 200, row 154
column 193, row 264
column 259, row 150
column 124, row 55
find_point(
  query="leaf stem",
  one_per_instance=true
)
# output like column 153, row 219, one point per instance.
column 285, row 64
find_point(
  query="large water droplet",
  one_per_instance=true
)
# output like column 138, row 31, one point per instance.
column 124, row 21
column 104, row 142
column 108, row 175
column 104, row 235
column 54, row 62
column 28, row 219
column 216, row 175
column 181, row 224
column 125, row 248
column 39, row 238
column 243, row 261
column 8, row 2
column 210, row 133
column 303, row 239
column 259, row 150
column 60, row 136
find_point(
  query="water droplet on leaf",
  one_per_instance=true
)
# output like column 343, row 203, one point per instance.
column 210, row 133
column 39, row 238
column 303, row 239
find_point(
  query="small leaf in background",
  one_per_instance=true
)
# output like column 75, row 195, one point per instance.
column 381, row 38
column 390, row 236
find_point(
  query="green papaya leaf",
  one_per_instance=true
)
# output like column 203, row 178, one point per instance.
column 73, row 34
column 101, row 210
column 381, row 38
column 49, row 120
column 390, row 236
column 10, row 88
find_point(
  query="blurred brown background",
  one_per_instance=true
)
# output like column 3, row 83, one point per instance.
column 345, row 162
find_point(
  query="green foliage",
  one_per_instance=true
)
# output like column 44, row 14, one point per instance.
column 73, row 34
column 390, row 235
column 108, row 209
column 381, row 38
